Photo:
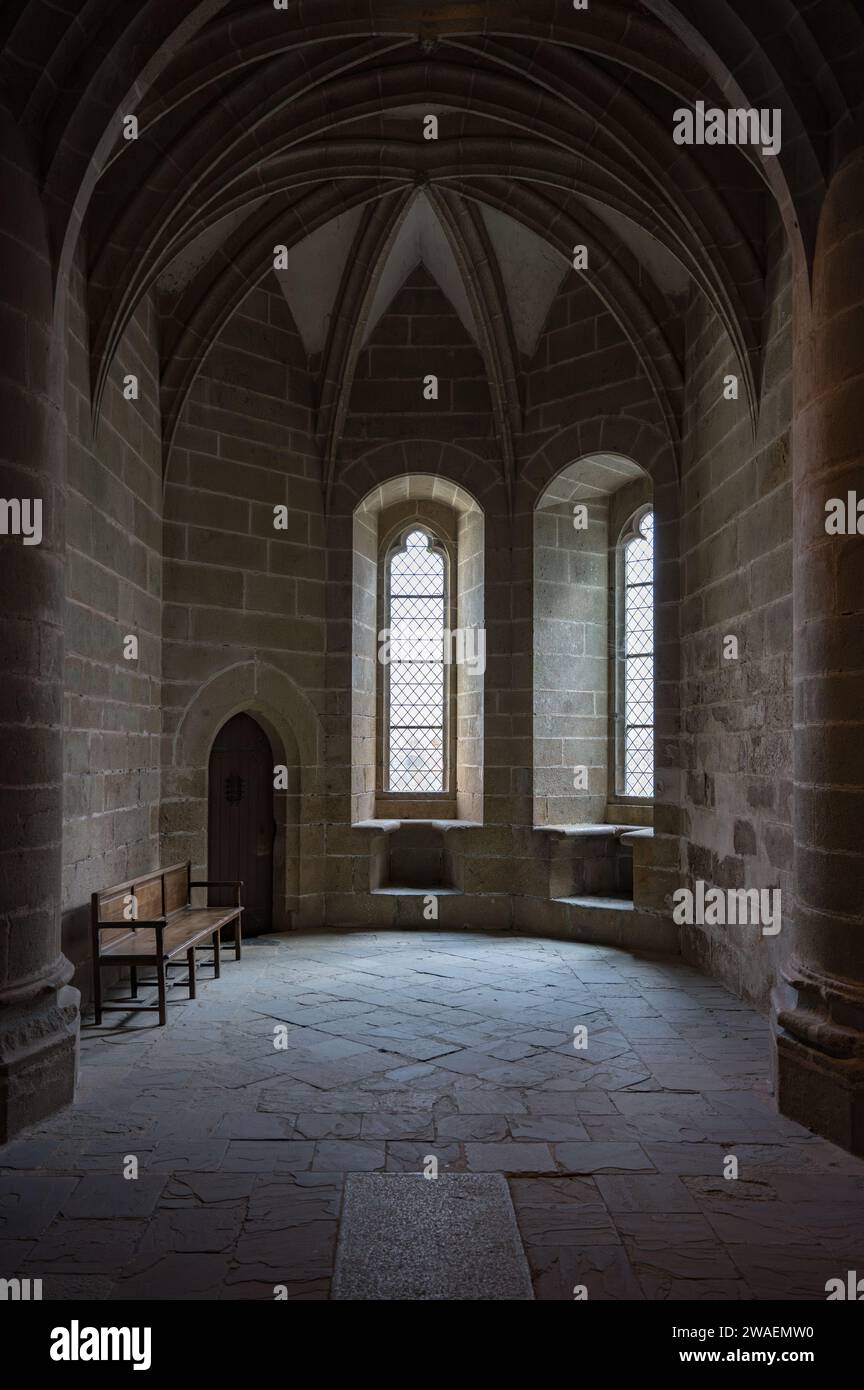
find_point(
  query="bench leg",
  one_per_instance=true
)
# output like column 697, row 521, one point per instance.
column 133, row 981
column 190, row 956
column 160, row 981
column 97, row 991
column 217, row 954
column 237, row 942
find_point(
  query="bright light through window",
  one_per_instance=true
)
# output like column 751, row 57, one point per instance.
column 638, row 659
column 416, row 674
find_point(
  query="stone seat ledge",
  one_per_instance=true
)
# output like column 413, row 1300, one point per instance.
column 387, row 827
column 629, row 837
column 600, row 830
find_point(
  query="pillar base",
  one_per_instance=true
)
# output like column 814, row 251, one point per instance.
column 823, row 1093
column 38, row 1058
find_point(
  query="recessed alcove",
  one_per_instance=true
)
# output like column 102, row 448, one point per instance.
column 579, row 641
column 590, row 861
column 414, row 855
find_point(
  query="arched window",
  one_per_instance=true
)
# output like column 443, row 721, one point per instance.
column 418, row 656
column 416, row 687
column 635, row 648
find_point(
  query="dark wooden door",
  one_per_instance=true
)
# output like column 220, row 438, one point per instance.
column 241, row 825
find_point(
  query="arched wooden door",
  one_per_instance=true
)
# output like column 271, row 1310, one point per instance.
column 241, row 826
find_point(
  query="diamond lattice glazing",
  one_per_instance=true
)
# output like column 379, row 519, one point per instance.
column 416, row 679
column 639, row 661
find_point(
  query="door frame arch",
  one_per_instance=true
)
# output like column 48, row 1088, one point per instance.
column 292, row 727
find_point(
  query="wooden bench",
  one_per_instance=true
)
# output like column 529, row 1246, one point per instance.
column 150, row 920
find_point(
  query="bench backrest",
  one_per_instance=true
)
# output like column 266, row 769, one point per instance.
column 157, row 894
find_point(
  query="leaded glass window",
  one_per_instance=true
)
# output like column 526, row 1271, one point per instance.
column 416, row 685
column 637, row 659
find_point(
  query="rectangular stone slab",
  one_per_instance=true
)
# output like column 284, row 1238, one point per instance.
column 404, row 1236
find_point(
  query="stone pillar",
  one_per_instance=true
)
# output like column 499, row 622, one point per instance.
column 38, row 1010
column 820, row 1003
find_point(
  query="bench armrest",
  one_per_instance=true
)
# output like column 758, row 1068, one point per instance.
column 216, row 883
column 154, row 924
column 235, row 883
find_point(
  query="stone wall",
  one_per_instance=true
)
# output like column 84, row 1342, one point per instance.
column 240, row 592
column 113, row 590
column 420, row 334
column 586, row 385
column 571, row 665
column 736, row 541
column 583, row 366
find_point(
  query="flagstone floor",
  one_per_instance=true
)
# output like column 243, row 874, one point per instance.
column 321, row 1055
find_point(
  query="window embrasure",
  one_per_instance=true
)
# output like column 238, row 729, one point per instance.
column 635, row 657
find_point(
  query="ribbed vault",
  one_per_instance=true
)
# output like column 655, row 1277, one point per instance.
column 261, row 126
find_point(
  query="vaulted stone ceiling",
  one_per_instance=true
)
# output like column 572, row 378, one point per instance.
column 554, row 130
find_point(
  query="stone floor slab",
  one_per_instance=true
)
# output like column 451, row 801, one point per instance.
column 451, row 1238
